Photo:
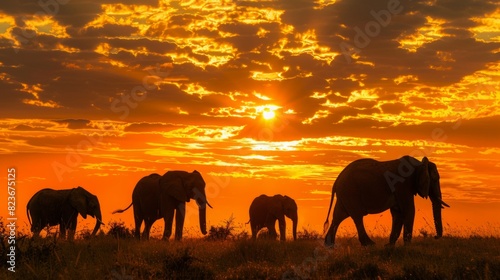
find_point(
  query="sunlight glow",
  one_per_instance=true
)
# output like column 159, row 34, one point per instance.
column 268, row 114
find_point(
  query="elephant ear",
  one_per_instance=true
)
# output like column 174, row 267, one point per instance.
column 175, row 186
column 288, row 204
column 424, row 180
column 277, row 206
column 78, row 199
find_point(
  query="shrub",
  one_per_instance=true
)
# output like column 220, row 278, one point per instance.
column 308, row 235
column 223, row 232
column 119, row 230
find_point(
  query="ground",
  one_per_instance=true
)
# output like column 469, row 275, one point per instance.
column 237, row 257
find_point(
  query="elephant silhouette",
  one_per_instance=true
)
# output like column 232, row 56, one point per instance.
column 265, row 210
column 367, row 186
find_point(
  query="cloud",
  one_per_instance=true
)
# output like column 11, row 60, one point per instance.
column 416, row 73
column 74, row 123
column 150, row 127
column 109, row 30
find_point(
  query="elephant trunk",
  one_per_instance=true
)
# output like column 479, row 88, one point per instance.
column 437, row 205
column 201, row 199
column 98, row 222
column 436, row 211
column 203, row 218
column 294, row 227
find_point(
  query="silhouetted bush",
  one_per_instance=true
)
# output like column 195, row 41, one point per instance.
column 223, row 232
column 119, row 230
column 308, row 235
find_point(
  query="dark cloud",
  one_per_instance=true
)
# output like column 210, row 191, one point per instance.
column 85, row 83
column 149, row 127
column 75, row 13
column 109, row 30
column 480, row 132
column 23, row 127
column 451, row 10
column 393, row 108
column 74, row 123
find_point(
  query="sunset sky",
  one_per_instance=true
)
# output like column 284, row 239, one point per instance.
column 259, row 96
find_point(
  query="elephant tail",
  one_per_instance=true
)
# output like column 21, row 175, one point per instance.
column 122, row 210
column 326, row 224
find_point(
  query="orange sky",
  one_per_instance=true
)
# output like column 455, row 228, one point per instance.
column 101, row 93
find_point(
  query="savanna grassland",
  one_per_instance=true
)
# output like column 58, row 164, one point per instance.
column 225, row 255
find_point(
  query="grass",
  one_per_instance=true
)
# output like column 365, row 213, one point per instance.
column 109, row 256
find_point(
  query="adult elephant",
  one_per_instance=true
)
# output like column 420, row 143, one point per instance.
column 367, row 186
column 265, row 210
column 157, row 196
column 61, row 207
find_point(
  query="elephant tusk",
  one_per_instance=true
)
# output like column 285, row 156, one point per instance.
column 100, row 221
column 209, row 205
column 444, row 203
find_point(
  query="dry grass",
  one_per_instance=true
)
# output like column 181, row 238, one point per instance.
column 107, row 257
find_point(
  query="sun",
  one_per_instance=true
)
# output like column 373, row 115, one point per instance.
column 268, row 114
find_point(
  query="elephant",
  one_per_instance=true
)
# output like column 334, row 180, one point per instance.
column 61, row 207
column 265, row 210
column 367, row 186
column 156, row 196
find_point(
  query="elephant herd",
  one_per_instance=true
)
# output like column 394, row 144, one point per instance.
column 365, row 186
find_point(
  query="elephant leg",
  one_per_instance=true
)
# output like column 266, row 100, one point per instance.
column 180, row 213
column 62, row 230
column 409, row 216
column 255, row 229
column 282, row 227
column 138, row 218
column 397, row 225
column 339, row 214
column 72, row 227
column 271, row 228
column 71, row 234
column 273, row 234
column 138, row 224
column 148, row 223
column 362, row 235
column 169, row 220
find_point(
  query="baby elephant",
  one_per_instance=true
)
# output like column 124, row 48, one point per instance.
column 61, row 207
column 265, row 210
